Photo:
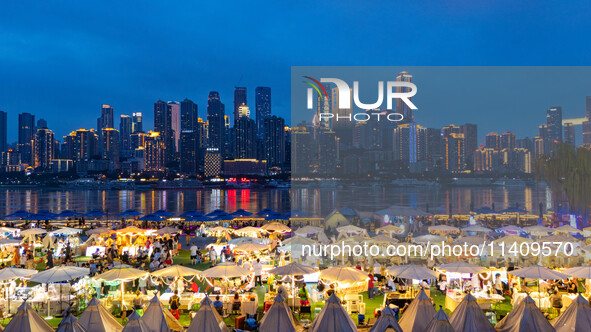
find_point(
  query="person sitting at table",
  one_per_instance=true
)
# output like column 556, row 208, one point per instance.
column 304, row 297
column 194, row 287
column 571, row 287
column 556, row 301
column 218, row 305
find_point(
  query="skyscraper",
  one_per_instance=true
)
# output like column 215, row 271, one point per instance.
column 554, row 124
column 588, row 107
column 401, row 106
column 274, row 141
column 239, row 100
column 245, row 131
column 106, row 120
column 41, row 123
column 125, row 128
column 587, row 133
column 215, row 118
column 44, row 149
column 189, row 115
column 455, row 157
column 492, row 141
column 190, row 152
column 163, row 126
column 263, row 108
column 470, row 132
column 175, row 116
column 110, row 147
column 137, row 123
column 26, row 127
column 569, row 134
column 3, row 131
column 508, row 141
column 154, row 152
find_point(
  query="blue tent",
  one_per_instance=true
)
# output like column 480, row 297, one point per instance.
column 130, row 213
column 222, row 217
column 484, row 210
column 266, row 212
column 163, row 213
column 199, row 219
column 216, row 212
column 69, row 213
column 95, row 214
column 19, row 214
column 191, row 213
column 296, row 213
column 513, row 210
column 43, row 215
column 151, row 217
column 276, row 216
column 241, row 213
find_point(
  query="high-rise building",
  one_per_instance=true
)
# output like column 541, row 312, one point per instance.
column 245, row 138
column 434, row 144
column 588, row 107
column 508, row 141
column 485, row 159
column 125, row 130
column 492, row 141
column 263, row 108
column 451, row 129
column 587, row 132
column 554, row 125
column 138, row 140
column 80, row 145
column 190, row 152
column 216, row 123
column 106, row 120
column 44, row 149
column 569, row 134
column 110, row 147
column 137, row 123
column 328, row 152
column 401, row 106
column 470, row 132
column 523, row 160
column 26, row 132
column 163, row 125
column 243, row 111
column 189, row 116
column 154, row 152
column 274, row 142
column 239, row 100
column 212, row 162
column 175, row 116
column 41, row 123
column 302, row 154
column 455, row 157
column 539, row 146
column 3, row 131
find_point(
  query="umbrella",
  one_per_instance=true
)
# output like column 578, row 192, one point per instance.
column 191, row 213
column 462, row 267
column 122, row 273
column 538, row 230
column 351, row 229
column 443, row 228
column 296, row 213
column 199, row 219
column 428, row 238
column 343, row 274
column 95, row 214
column 276, row 227
column 130, row 213
column 167, row 230
column 511, row 229
column 476, row 229
column 226, row 270
column 100, row 230
column 176, row 271
column 19, row 214
column 241, row 213
column 151, row 217
column 293, row 269
column 538, row 272
column 513, row 210
column 567, row 229
column 8, row 273
column 484, row 210
column 43, row 216
column 583, row 272
column 472, row 240
column 130, row 229
column 216, row 213
column 410, row 271
column 33, row 231
column 69, row 213
column 9, row 242
column 306, row 230
column 390, row 229
column 222, row 217
column 163, row 213
column 59, row 274
column 250, row 247
column 276, row 217
column 266, row 212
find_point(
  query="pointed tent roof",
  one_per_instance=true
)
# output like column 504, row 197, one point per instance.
column 333, row 318
column 28, row 320
column 158, row 318
column 418, row 314
column 135, row 324
column 386, row 321
column 96, row 318
column 577, row 317
column 524, row 318
column 468, row 317
column 207, row 319
column 440, row 323
column 279, row 317
column 70, row 323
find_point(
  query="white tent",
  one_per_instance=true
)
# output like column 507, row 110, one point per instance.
column 135, row 324
column 207, row 319
column 386, row 321
column 70, row 323
column 28, row 320
column 526, row 317
column 96, row 318
column 468, row 317
column 418, row 314
column 440, row 323
column 333, row 318
column 158, row 318
column 279, row 317
column 577, row 317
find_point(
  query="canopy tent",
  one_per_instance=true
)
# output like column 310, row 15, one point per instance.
column 443, row 229
column 484, row 210
column 468, row 317
column 240, row 213
column 390, row 229
column 96, row 318
column 135, row 324
column 95, row 214
column 471, row 240
column 247, row 231
column 100, row 230
column 293, row 269
column 207, row 319
column 158, row 318
column 18, row 214
column 130, row 213
column 122, row 273
column 167, row 230
column 279, row 317
column 410, row 271
column 567, row 229
column 538, row 272
column 524, row 318
column 226, row 270
column 576, row 317
column 33, row 231
column 59, row 274
column 476, row 229
column 250, row 247
column 511, row 229
column 66, row 231
column 583, row 272
column 308, row 230
column 8, row 273
column 538, row 230
column 418, row 314
column 333, row 318
column 266, row 212
column 163, row 213
column 151, row 217
column 462, row 267
column 43, row 215
column 191, row 213
column 428, row 238
column 27, row 320
column 9, row 242
column 70, row 323
column 351, row 229
column 343, row 274
column 276, row 227
column 131, row 230
column 383, row 239
column 440, row 323
column 402, row 211
column 176, row 271
column 387, row 320
column 68, row 214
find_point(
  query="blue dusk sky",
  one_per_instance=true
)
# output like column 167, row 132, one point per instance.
column 61, row 60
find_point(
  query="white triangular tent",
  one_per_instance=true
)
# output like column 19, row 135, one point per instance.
column 135, row 324
column 158, row 318
column 440, row 323
column 96, row 318
column 333, row 318
column 468, row 317
column 207, row 319
column 28, row 320
column 526, row 317
column 386, row 321
column 70, row 323
column 577, row 317
column 418, row 314
column 279, row 317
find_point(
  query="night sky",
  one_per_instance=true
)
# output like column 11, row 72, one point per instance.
column 61, row 60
